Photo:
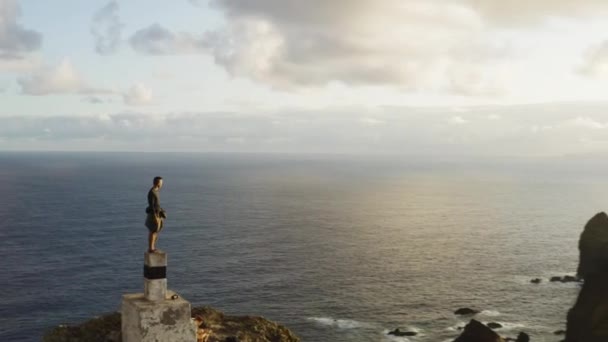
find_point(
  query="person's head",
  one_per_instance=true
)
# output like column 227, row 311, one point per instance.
column 158, row 182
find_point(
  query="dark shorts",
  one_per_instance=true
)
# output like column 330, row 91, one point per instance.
column 151, row 224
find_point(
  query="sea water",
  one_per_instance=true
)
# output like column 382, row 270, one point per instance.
column 337, row 248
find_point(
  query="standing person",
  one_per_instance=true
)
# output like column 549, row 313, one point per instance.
column 155, row 214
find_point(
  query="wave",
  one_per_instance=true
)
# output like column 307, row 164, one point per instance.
column 396, row 338
column 338, row 323
column 490, row 313
column 509, row 326
column 456, row 327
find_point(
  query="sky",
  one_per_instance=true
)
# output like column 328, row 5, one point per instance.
column 409, row 77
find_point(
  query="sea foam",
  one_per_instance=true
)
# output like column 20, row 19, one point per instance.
column 338, row 323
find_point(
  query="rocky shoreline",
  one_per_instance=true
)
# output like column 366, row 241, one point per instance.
column 214, row 326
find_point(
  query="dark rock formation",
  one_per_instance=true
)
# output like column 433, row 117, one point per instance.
column 588, row 319
column 220, row 328
column 569, row 279
column 494, row 325
column 536, row 281
column 398, row 332
column 565, row 279
column 523, row 337
column 476, row 331
column 466, row 311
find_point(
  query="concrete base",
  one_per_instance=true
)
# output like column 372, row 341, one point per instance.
column 164, row 321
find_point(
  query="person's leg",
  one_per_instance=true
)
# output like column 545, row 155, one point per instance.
column 152, row 241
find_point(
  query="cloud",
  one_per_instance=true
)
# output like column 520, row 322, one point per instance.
column 138, row 95
column 158, row 40
column 291, row 44
column 468, row 79
column 596, row 62
column 587, row 122
column 61, row 79
column 95, row 100
column 14, row 39
column 523, row 130
column 106, row 29
column 19, row 64
column 457, row 120
column 65, row 79
column 523, row 12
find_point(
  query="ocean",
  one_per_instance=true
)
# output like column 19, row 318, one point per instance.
column 337, row 248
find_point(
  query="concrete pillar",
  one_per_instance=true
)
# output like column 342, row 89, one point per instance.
column 155, row 276
column 157, row 315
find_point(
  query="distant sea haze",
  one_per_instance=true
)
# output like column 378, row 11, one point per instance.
column 335, row 248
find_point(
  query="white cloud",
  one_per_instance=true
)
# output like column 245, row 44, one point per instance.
column 596, row 62
column 61, row 79
column 158, row 40
column 586, row 122
column 19, row 65
column 473, row 80
column 523, row 130
column 138, row 95
column 289, row 44
column 14, row 39
column 106, row 29
column 368, row 121
column 457, row 120
column 525, row 12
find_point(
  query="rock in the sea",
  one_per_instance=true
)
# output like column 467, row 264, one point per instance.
column 219, row 328
column 536, row 281
column 588, row 319
column 523, row 337
column 476, row 331
column 398, row 332
column 494, row 325
column 466, row 311
column 564, row 279
column 559, row 332
column 569, row 279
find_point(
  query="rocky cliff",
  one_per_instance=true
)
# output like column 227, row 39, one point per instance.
column 588, row 319
column 214, row 326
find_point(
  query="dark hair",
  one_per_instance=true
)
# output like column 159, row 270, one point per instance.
column 157, row 179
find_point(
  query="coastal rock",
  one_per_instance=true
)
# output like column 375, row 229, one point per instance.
column 213, row 324
column 565, row 279
column 398, row 332
column 523, row 337
column 241, row 328
column 536, row 281
column 588, row 319
column 494, row 325
column 465, row 311
column 476, row 331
